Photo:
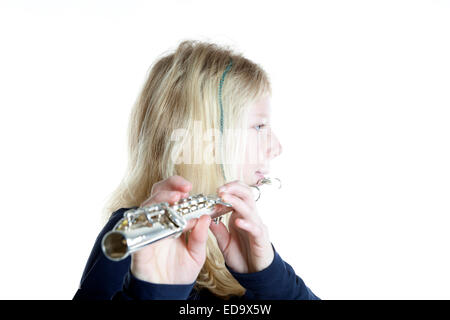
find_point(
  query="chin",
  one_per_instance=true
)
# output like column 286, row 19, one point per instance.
column 255, row 178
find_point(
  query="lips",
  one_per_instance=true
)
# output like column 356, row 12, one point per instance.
column 261, row 174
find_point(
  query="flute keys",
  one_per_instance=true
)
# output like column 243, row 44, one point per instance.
column 184, row 204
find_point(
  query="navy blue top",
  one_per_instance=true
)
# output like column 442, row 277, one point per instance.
column 104, row 279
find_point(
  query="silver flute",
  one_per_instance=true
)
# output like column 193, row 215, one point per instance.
column 145, row 225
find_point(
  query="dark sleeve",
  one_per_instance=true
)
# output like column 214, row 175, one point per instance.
column 135, row 289
column 104, row 279
column 276, row 282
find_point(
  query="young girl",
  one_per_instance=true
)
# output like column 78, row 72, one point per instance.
column 198, row 88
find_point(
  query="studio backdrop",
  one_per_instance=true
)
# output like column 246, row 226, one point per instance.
column 360, row 104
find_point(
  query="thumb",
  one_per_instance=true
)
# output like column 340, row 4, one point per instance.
column 222, row 235
column 197, row 239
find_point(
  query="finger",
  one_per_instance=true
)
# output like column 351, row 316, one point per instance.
column 164, row 196
column 197, row 239
column 249, row 227
column 175, row 183
column 222, row 235
column 258, row 234
column 239, row 206
column 190, row 224
column 238, row 189
column 188, row 228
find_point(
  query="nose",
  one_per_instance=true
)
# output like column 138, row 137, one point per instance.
column 275, row 147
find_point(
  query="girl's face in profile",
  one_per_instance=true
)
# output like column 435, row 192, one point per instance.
column 262, row 144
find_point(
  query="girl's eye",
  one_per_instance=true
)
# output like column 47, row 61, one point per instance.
column 259, row 127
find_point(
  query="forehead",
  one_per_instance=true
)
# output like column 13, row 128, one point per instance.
column 261, row 108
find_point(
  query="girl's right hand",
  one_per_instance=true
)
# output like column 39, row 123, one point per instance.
column 172, row 261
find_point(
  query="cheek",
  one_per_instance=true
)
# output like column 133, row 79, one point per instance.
column 252, row 142
column 251, row 150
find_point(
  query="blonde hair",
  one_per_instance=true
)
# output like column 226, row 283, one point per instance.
column 182, row 88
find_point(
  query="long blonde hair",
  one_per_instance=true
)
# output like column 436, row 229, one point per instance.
column 181, row 90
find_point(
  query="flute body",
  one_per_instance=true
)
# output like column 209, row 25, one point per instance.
column 142, row 226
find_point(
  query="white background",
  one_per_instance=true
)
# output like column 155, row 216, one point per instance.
column 361, row 106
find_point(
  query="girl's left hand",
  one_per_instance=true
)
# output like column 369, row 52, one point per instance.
column 246, row 246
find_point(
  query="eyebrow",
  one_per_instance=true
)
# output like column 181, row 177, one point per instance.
column 262, row 115
column 259, row 118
